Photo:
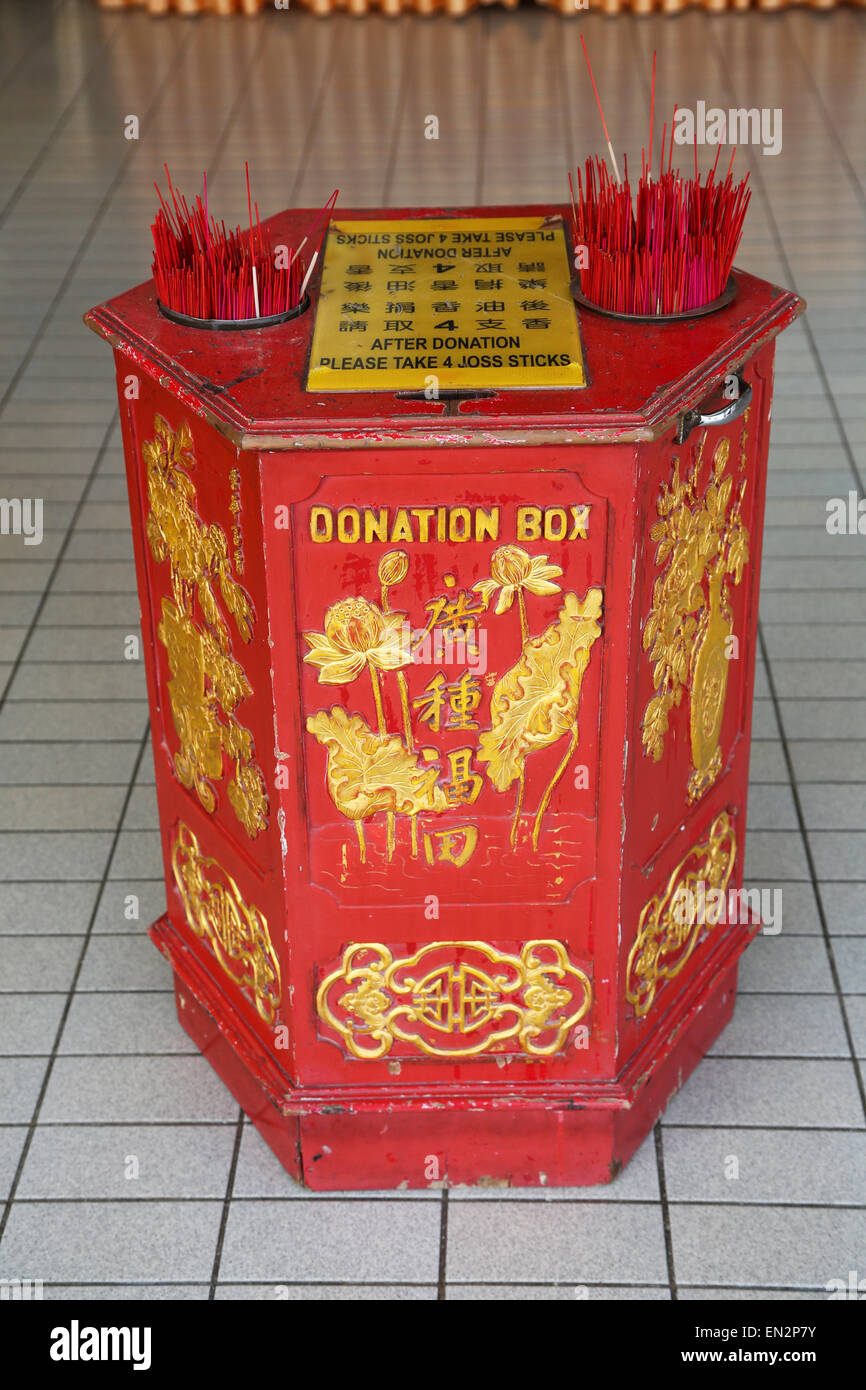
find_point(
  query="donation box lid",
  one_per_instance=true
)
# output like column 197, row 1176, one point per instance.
column 443, row 326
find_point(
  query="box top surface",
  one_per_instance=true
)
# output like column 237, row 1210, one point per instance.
column 252, row 384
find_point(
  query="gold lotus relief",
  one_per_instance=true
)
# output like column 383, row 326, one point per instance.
column 455, row 999
column 672, row 922
column 207, row 682
column 533, row 706
column 236, row 932
column 703, row 545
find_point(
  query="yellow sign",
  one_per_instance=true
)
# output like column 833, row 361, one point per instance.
column 433, row 304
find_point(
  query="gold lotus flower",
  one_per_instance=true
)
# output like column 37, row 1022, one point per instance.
column 357, row 634
column 512, row 570
column 393, row 568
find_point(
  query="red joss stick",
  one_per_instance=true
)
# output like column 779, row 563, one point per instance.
column 206, row 272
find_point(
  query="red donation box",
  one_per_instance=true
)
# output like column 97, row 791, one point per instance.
column 449, row 596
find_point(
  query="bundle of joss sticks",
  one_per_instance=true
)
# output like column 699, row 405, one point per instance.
column 667, row 250
column 206, row 272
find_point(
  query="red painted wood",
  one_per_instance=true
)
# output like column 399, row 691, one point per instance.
column 266, row 455
column 639, row 375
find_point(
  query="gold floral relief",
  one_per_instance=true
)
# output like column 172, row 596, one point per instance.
column 672, row 922
column 455, row 999
column 534, row 705
column 702, row 545
column 207, row 682
column 236, row 932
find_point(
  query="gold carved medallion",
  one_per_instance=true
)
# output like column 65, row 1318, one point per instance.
column 455, row 999
column 671, row 922
column 207, row 682
column 236, row 932
column 702, row 544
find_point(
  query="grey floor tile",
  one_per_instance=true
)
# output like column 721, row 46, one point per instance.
column 55, row 765
column 130, row 905
column 767, row 763
column 54, row 855
column 727, row 1091
column 326, row 1293
column 823, row 760
column 765, row 724
column 60, row 808
column 824, row 1168
column 827, row 718
column 127, row 1162
column 92, row 644
column 850, row 957
column 855, row 1009
column 87, row 680
column 812, row 679
column 784, row 1025
column 138, row 855
column 757, row 1295
column 319, row 1242
column 838, row 854
column 111, row 1024
column 12, row 1139
column 38, row 962
column 845, row 908
column 787, row 964
column 140, row 1089
column 595, row 1293
column 89, row 721
column 771, row 808
column 20, row 1082
column 56, row 909
column 141, row 813
column 124, row 962
column 835, row 807
column 121, row 1293
column 29, row 1022
column 107, row 1242
column 575, row 1242
column 775, row 855
column 790, row 907
column 781, row 1245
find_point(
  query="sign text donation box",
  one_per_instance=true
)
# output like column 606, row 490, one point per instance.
column 449, row 601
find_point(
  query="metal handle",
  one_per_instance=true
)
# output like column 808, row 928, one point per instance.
column 692, row 418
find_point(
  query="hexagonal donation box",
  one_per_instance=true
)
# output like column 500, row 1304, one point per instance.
column 449, row 598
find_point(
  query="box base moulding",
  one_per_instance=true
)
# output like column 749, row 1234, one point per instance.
column 368, row 1137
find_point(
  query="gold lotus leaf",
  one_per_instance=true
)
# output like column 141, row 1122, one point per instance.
column 536, row 702
column 370, row 772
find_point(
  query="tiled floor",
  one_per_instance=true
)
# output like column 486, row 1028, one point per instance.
column 96, row 1072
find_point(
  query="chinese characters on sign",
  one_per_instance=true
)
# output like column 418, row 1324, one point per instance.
column 432, row 304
